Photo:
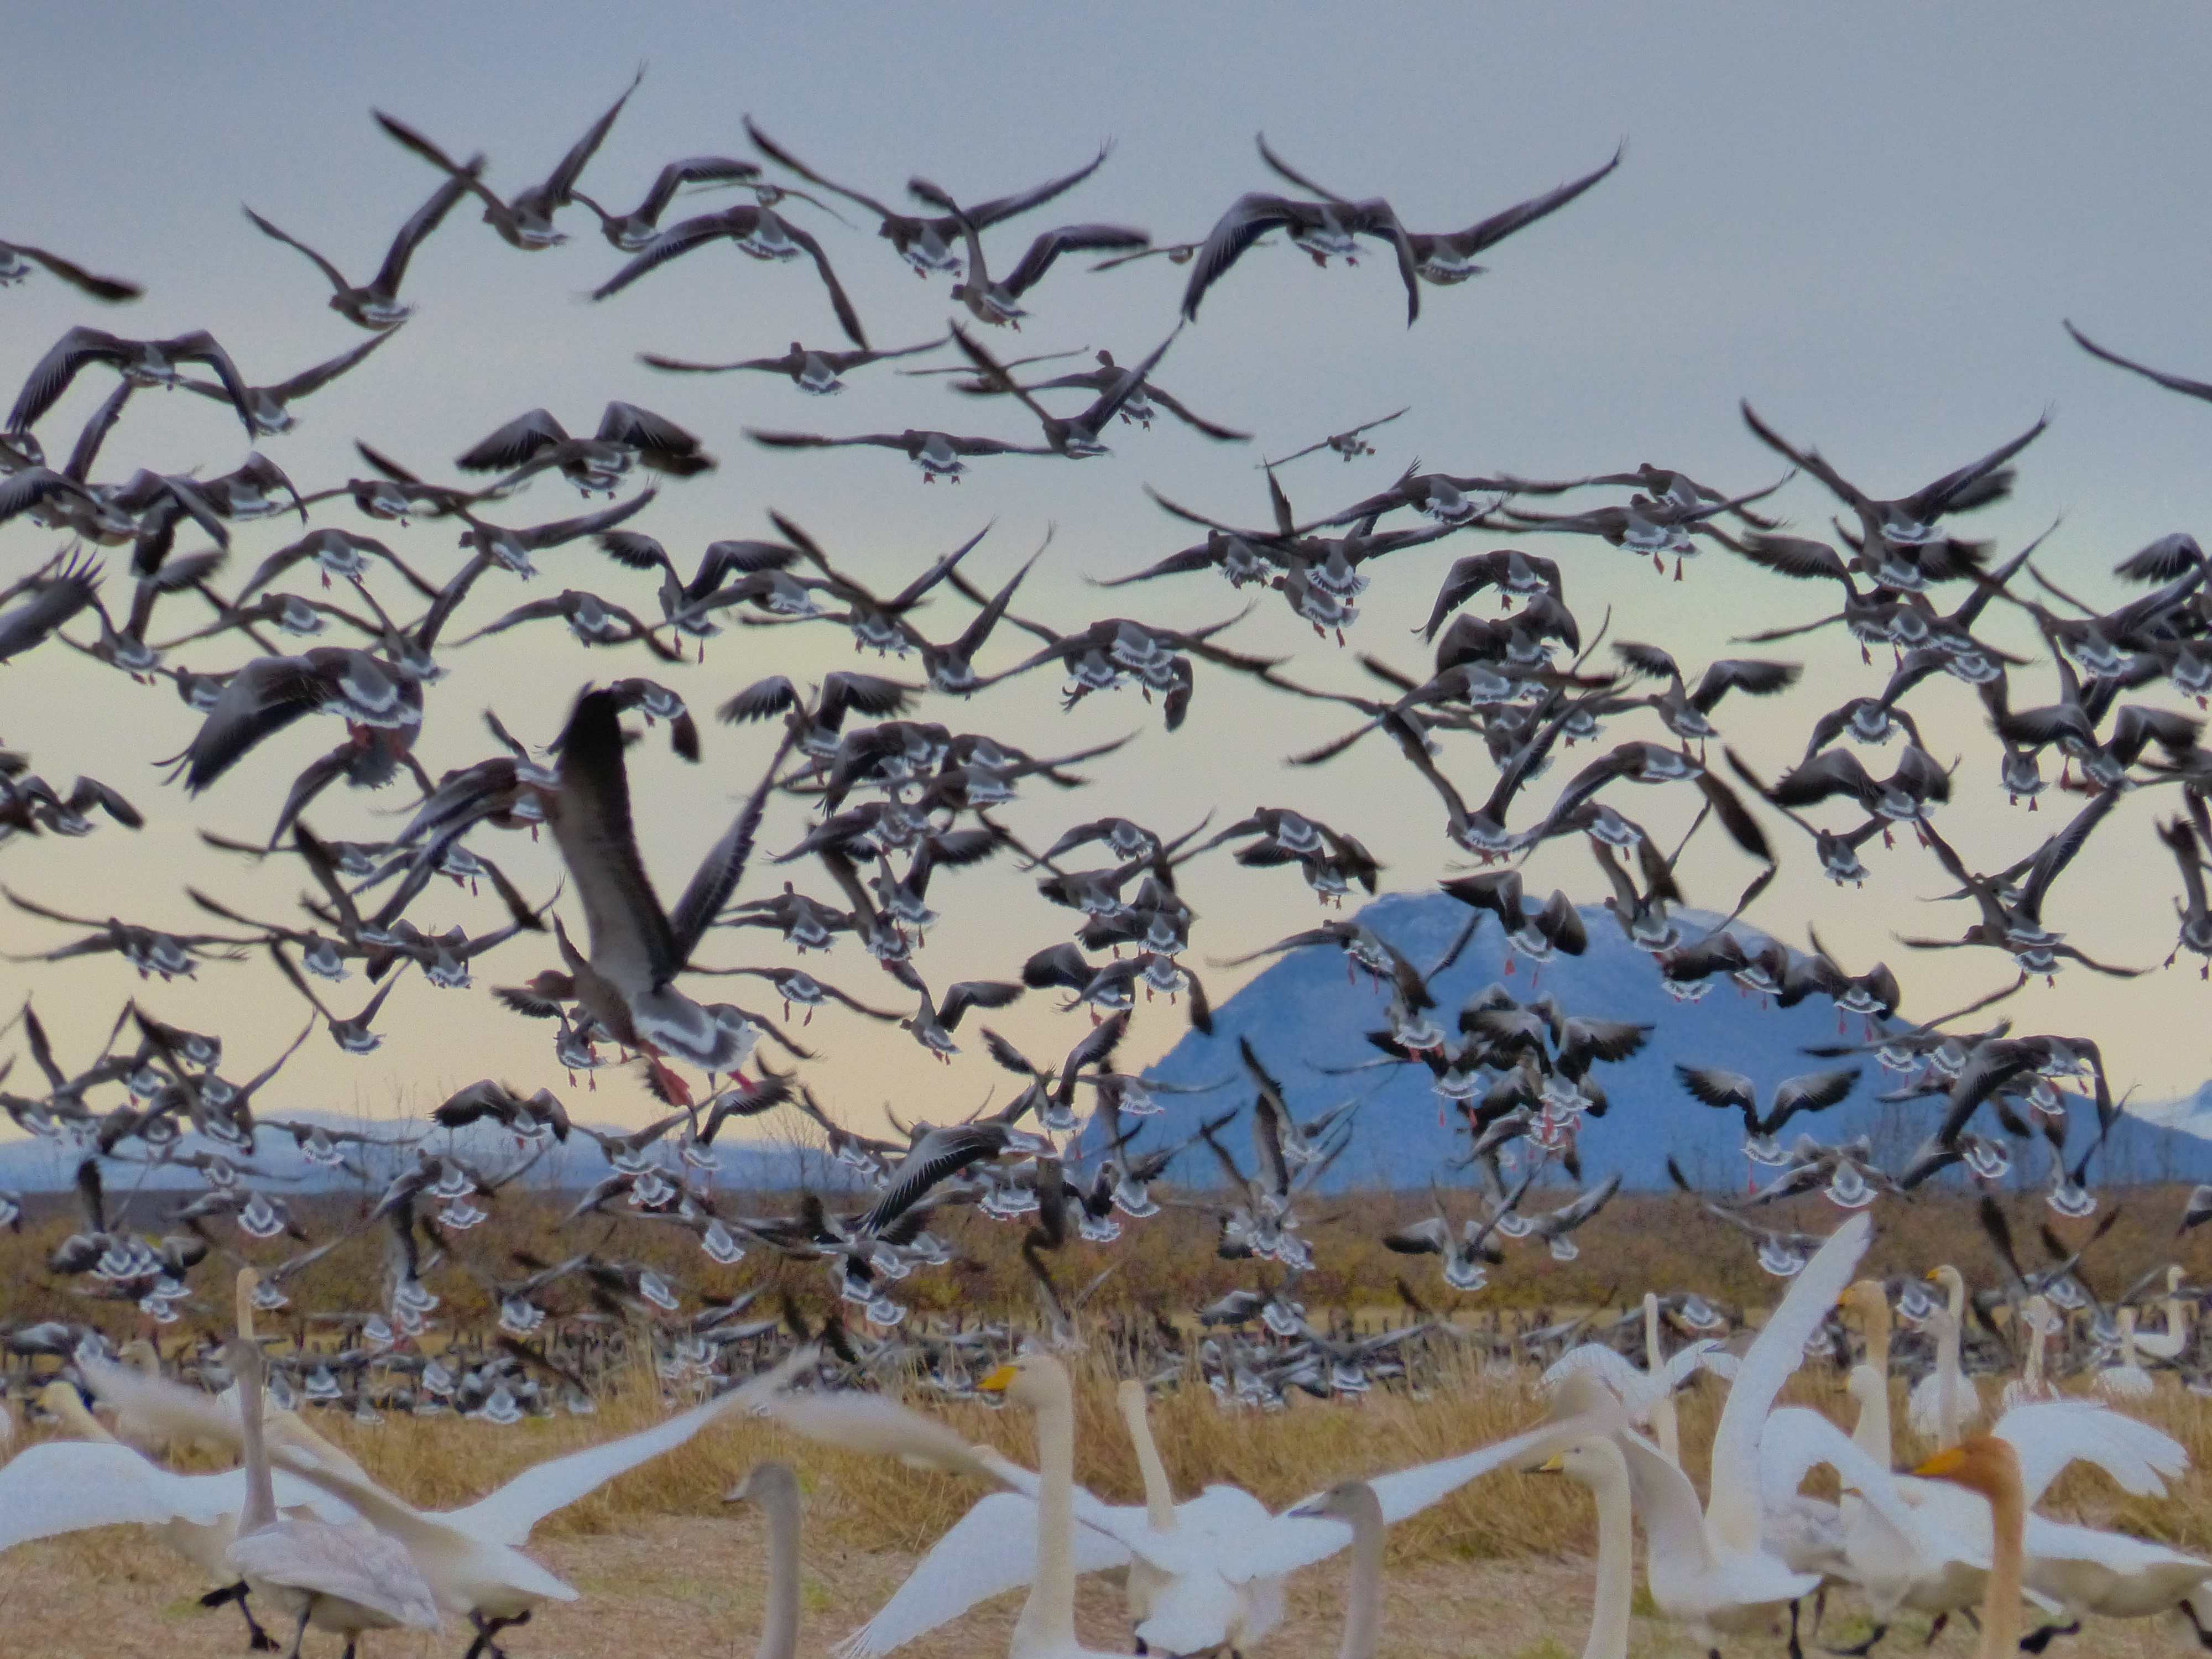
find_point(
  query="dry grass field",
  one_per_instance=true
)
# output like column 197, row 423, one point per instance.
column 666, row 1570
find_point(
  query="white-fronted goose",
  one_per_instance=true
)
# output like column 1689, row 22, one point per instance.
column 145, row 362
column 938, row 454
column 375, row 304
column 759, row 231
column 628, row 231
column 928, row 244
column 817, row 372
column 17, row 258
column 526, row 221
column 636, row 949
column 272, row 405
column 628, row 435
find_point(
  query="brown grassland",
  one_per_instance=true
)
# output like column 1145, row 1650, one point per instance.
column 1502, row 1569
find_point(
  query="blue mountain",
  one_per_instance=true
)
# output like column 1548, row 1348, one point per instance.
column 1307, row 1013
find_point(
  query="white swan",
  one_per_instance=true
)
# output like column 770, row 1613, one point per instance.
column 345, row 1578
column 1598, row 1465
column 1944, row 1404
column 1354, row 1503
column 471, row 1556
column 1648, row 1393
column 1221, row 1564
column 60, row 1487
column 774, row 1488
column 2168, row 1343
column 2032, row 1385
column 2126, row 1379
column 1045, row 1629
column 1709, row 1569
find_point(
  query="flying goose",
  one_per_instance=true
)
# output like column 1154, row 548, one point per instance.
column 145, row 363
column 809, row 369
column 525, row 222
column 375, row 304
column 628, row 231
column 927, row 245
column 938, row 454
column 627, row 436
column 17, row 258
column 1106, row 378
column 626, row 981
column 759, row 231
column 1449, row 258
column 272, row 405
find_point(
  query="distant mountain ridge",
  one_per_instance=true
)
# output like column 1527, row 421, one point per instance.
column 1308, row 1012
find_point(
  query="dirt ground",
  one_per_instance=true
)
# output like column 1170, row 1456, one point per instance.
column 684, row 1588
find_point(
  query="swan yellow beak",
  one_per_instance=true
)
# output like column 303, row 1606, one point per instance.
column 1001, row 1380
column 1933, row 1272
column 1555, row 1464
column 1943, row 1463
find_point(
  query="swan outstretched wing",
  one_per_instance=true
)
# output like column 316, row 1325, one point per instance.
column 71, row 1486
column 1797, row 1439
column 1731, row 1513
column 2049, row 1435
column 506, row 1517
column 990, row 1550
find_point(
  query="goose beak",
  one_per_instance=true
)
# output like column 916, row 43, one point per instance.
column 1001, row 1380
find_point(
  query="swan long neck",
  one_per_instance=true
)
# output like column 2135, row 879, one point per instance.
column 2038, row 1333
column 1871, row 1433
column 1047, row 1624
column 2000, row 1619
column 2128, row 1337
column 1159, row 1495
column 1947, row 1383
column 1363, row 1603
column 780, row 1623
column 1665, row 1428
column 260, row 1509
column 1609, row 1615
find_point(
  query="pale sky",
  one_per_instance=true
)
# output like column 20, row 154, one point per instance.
column 1869, row 222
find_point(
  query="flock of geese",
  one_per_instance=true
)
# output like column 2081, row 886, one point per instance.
column 895, row 800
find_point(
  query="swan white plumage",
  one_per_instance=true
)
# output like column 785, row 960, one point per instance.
column 1709, row 1568
column 2126, row 1379
column 1598, row 1465
column 1944, row 1404
column 1354, row 1503
column 1221, row 1559
column 775, row 1487
column 345, row 1578
column 471, row 1556
column 2032, row 1385
column 59, row 1487
column 2168, row 1343
column 1648, row 1393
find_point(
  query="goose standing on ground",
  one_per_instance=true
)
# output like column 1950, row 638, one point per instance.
column 1354, row 1503
column 1944, row 1404
column 347, row 1579
column 774, row 1488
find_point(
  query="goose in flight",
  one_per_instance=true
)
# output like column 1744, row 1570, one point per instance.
column 927, row 245
column 16, row 260
column 527, row 221
column 375, row 304
column 626, row 981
